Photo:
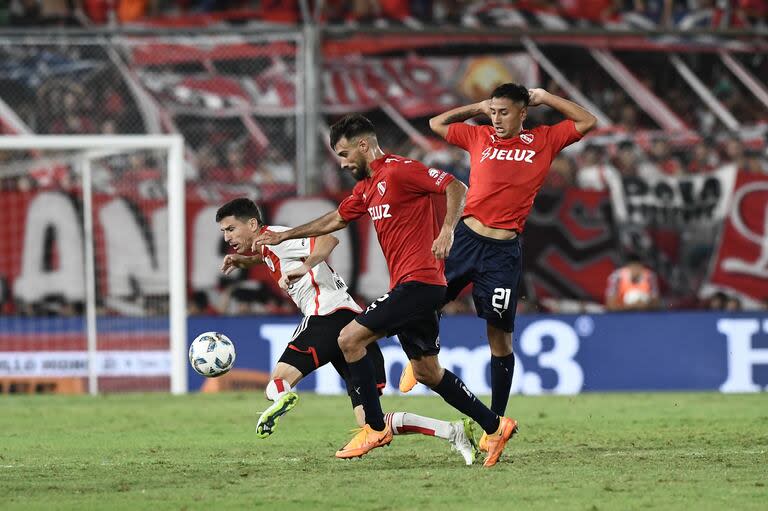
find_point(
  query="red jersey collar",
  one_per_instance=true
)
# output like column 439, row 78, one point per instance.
column 495, row 139
column 379, row 162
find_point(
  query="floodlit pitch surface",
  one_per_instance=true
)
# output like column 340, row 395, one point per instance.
column 593, row 451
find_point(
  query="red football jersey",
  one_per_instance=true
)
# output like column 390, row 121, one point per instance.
column 397, row 197
column 507, row 173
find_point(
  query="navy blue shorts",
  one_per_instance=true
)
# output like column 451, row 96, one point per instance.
column 411, row 311
column 493, row 267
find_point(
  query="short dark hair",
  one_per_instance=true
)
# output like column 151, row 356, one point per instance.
column 349, row 127
column 243, row 209
column 633, row 257
column 513, row 91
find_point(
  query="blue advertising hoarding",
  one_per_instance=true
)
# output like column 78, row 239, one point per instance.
column 560, row 354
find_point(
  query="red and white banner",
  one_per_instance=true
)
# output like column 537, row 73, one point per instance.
column 42, row 252
column 741, row 262
column 414, row 85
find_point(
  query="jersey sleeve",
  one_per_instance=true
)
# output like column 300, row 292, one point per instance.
column 292, row 249
column 562, row 134
column 418, row 178
column 352, row 207
column 460, row 134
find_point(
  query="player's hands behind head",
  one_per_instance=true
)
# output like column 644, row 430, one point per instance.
column 536, row 96
column 485, row 106
column 266, row 238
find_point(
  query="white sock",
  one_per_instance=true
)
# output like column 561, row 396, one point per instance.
column 404, row 423
column 277, row 388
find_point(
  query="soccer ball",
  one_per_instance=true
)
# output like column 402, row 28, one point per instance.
column 212, row 354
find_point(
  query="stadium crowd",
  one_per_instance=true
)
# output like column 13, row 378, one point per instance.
column 84, row 89
column 414, row 14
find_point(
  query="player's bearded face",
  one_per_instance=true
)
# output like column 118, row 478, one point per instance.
column 507, row 117
column 359, row 167
column 352, row 158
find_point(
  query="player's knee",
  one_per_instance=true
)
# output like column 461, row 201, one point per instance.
column 347, row 341
column 500, row 342
column 427, row 374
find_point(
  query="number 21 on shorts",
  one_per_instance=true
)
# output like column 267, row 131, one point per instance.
column 500, row 300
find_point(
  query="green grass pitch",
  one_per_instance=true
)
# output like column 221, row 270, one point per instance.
column 588, row 452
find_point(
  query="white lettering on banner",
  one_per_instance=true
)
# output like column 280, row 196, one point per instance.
column 570, row 376
column 130, row 258
column 55, row 212
column 63, row 364
column 758, row 268
column 680, row 200
column 741, row 355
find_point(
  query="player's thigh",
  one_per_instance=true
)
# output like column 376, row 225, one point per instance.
column 421, row 336
column 315, row 342
column 495, row 287
column 460, row 265
column 402, row 306
column 355, row 336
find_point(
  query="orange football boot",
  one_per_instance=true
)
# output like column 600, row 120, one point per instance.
column 497, row 441
column 407, row 379
column 483, row 443
column 365, row 441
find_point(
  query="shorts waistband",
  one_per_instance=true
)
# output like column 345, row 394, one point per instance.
column 486, row 239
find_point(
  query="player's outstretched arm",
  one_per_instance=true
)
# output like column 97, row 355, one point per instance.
column 324, row 245
column 326, row 224
column 581, row 117
column 439, row 124
column 455, row 194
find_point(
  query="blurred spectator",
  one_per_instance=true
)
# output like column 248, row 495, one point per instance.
column 200, row 305
column 732, row 304
column 733, row 151
column 594, row 173
column 275, row 168
column 27, row 13
column 703, row 158
column 661, row 160
column 123, row 11
column 627, row 159
column 717, row 301
column 632, row 287
column 755, row 163
column 238, row 170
